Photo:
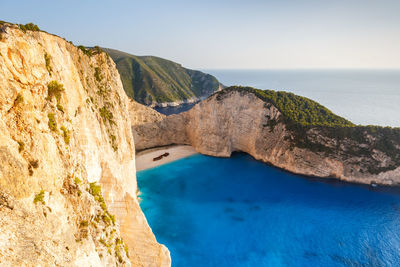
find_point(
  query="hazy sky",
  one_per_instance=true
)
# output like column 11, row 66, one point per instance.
column 234, row 34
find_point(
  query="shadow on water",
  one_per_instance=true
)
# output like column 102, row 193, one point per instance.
column 310, row 190
column 394, row 189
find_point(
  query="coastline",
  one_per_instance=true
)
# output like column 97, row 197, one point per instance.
column 186, row 101
column 176, row 103
column 144, row 159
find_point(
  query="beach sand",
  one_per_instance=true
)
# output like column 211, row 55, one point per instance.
column 144, row 159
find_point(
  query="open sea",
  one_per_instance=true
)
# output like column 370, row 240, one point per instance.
column 240, row 212
column 362, row 96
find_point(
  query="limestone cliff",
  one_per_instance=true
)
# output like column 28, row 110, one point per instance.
column 64, row 130
column 239, row 119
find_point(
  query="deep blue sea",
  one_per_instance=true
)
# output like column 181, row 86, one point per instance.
column 240, row 212
column 362, row 96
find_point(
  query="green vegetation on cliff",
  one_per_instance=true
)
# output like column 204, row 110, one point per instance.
column 297, row 109
column 29, row 27
column 149, row 79
column 24, row 27
column 55, row 89
column 307, row 120
column 90, row 51
column 302, row 112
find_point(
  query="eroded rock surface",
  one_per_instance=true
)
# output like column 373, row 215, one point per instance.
column 53, row 144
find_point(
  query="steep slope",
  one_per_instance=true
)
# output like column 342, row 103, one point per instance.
column 65, row 143
column 288, row 131
column 158, row 82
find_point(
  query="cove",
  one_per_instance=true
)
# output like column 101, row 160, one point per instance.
column 240, row 212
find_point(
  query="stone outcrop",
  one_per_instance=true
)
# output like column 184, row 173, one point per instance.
column 241, row 121
column 64, row 130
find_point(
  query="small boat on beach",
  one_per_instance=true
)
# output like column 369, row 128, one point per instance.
column 166, row 154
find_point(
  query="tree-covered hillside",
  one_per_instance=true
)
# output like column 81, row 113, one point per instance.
column 151, row 80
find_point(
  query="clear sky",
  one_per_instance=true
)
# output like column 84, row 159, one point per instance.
column 235, row 34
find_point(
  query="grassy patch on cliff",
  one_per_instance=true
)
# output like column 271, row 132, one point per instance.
column 47, row 59
column 52, row 122
column 106, row 115
column 66, row 134
column 97, row 74
column 54, row 89
column 85, row 50
column 29, row 27
column 90, row 51
column 39, row 198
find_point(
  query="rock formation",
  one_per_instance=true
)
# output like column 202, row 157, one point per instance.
column 65, row 143
column 238, row 119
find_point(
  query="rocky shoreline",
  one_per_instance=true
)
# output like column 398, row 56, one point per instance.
column 187, row 101
column 176, row 103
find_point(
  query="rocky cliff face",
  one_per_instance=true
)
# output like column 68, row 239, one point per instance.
column 237, row 120
column 64, row 132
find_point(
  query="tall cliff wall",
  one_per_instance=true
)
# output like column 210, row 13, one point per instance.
column 238, row 120
column 64, row 129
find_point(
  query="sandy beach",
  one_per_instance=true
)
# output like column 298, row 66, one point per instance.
column 144, row 159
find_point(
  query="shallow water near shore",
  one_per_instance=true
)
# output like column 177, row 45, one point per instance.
column 240, row 212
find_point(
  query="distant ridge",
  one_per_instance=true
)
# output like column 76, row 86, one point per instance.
column 156, row 81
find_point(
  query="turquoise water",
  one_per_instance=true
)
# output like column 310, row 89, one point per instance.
column 362, row 96
column 240, row 212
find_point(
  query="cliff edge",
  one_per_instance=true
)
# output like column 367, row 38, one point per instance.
column 67, row 174
column 288, row 131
